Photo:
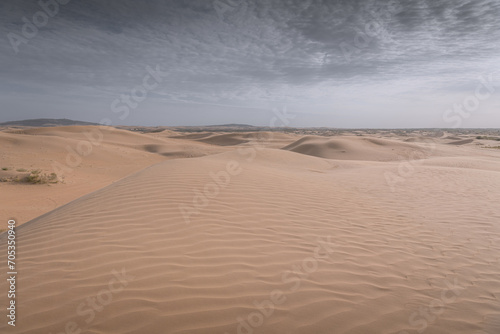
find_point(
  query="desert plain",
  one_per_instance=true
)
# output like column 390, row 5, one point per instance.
column 238, row 230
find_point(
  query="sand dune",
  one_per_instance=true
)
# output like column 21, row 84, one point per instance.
column 453, row 138
column 108, row 154
column 461, row 142
column 85, row 158
column 223, row 139
column 272, row 139
column 263, row 240
column 353, row 148
column 194, row 136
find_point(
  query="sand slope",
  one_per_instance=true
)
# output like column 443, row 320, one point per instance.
column 334, row 246
column 271, row 139
column 85, row 158
column 353, row 148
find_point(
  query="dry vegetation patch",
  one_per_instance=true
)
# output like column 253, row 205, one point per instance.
column 22, row 175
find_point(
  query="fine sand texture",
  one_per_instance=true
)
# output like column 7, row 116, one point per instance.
column 271, row 233
column 84, row 158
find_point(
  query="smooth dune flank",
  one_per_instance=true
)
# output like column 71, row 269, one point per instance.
column 85, row 159
column 289, row 234
column 352, row 148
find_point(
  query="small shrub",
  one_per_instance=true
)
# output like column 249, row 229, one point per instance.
column 36, row 177
column 22, row 170
column 5, row 168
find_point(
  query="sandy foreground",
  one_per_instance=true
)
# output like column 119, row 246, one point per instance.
column 252, row 233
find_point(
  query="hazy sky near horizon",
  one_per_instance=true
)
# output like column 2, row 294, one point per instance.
column 343, row 63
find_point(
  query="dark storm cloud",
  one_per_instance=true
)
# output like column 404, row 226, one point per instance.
column 247, row 53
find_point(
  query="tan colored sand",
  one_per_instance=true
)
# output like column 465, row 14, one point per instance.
column 108, row 155
column 358, row 245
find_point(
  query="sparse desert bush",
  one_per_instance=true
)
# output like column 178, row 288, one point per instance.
column 5, row 168
column 37, row 177
column 21, row 170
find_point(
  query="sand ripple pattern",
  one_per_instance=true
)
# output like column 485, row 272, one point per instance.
column 392, row 252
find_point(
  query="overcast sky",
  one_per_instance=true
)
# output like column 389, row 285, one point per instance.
column 338, row 63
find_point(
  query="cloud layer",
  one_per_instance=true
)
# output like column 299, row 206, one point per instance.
column 342, row 63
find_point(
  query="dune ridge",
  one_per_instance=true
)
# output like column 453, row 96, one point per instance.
column 85, row 158
column 354, row 148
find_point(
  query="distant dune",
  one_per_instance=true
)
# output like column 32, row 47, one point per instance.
column 231, row 139
column 461, row 142
column 353, row 148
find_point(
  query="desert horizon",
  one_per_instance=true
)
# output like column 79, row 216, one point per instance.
column 250, row 167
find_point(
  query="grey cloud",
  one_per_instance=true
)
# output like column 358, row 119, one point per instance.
column 254, row 54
